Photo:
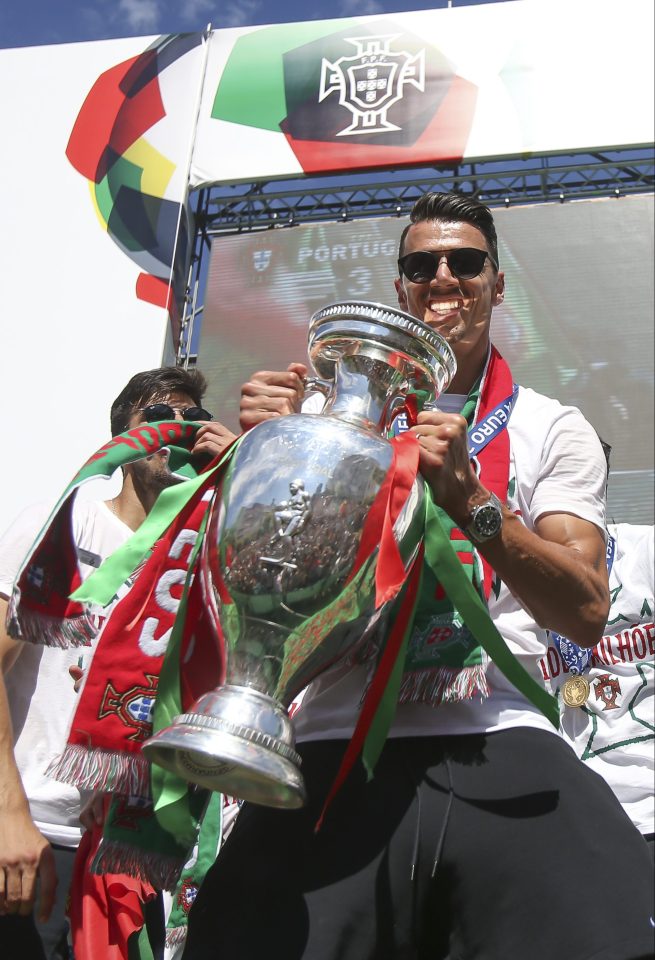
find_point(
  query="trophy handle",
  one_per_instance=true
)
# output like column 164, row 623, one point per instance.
column 316, row 385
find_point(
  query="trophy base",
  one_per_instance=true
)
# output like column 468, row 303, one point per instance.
column 237, row 741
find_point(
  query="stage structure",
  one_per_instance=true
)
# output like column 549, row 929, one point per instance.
column 152, row 148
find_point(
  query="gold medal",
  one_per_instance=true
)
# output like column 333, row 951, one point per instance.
column 575, row 691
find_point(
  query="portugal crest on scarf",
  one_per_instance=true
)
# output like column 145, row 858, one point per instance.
column 133, row 707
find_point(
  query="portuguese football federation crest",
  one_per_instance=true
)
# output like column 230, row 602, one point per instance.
column 133, row 707
column 370, row 81
column 186, row 894
column 607, row 689
column 348, row 95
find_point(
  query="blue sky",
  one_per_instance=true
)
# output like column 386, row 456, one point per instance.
column 33, row 22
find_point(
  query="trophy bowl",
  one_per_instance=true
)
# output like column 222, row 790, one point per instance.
column 292, row 544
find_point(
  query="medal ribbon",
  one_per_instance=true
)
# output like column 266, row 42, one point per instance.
column 577, row 659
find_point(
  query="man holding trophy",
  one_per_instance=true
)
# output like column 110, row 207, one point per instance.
column 478, row 818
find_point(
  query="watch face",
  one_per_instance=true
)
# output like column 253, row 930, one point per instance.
column 487, row 521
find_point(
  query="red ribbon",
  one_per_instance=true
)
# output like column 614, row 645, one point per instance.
column 379, row 683
column 390, row 572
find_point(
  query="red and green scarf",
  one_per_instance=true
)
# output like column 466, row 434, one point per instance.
column 444, row 662
column 114, row 715
column 40, row 608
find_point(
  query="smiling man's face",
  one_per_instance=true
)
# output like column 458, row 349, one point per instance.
column 460, row 310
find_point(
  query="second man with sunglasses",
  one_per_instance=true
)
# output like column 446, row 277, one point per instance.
column 40, row 817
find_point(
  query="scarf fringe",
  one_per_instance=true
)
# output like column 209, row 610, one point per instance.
column 161, row 872
column 105, row 770
column 175, row 936
column 49, row 631
column 444, row 685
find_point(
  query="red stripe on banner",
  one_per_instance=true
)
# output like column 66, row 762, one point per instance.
column 154, row 290
column 443, row 140
column 117, row 111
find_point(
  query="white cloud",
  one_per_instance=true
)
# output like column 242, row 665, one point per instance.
column 194, row 10
column 239, row 15
column 141, row 14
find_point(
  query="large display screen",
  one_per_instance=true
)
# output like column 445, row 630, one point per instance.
column 576, row 324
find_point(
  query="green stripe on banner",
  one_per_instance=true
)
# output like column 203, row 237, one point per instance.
column 441, row 558
column 256, row 97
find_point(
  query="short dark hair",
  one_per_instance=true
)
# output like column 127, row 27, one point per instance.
column 453, row 207
column 151, row 386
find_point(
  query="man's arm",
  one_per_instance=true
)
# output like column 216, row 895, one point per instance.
column 24, row 851
column 558, row 572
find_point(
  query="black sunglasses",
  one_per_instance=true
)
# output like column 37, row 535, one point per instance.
column 464, row 263
column 164, row 411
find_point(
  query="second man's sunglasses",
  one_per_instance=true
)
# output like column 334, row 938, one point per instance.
column 164, row 411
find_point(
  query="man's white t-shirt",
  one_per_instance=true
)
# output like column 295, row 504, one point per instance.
column 39, row 688
column 614, row 731
column 556, row 465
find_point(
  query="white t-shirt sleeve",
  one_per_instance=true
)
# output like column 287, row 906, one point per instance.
column 16, row 542
column 573, row 475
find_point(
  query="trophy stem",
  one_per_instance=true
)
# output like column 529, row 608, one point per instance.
column 238, row 741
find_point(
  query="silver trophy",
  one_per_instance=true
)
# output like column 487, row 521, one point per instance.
column 294, row 588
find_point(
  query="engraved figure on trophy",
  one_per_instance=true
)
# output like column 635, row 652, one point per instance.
column 291, row 515
column 294, row 577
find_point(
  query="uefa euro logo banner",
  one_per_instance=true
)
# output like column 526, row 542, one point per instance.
column 131, row 137
column 435, row 86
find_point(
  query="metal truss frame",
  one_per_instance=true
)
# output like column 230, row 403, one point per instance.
column 227, row 209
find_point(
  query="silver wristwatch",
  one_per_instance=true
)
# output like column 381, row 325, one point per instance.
column 486, row 520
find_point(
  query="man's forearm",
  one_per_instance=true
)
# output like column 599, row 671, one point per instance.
column 12, row 794
column 24, row 851
column 563, row 585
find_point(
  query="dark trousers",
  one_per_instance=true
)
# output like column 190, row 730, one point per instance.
column 496, row 847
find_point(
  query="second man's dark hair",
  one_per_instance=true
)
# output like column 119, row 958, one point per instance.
column 152, row 386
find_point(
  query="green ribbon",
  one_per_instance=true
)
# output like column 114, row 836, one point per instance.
column 131, row 445
column 209, row 838
column 442, row 559
column 386, row 711
column 138, row 945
